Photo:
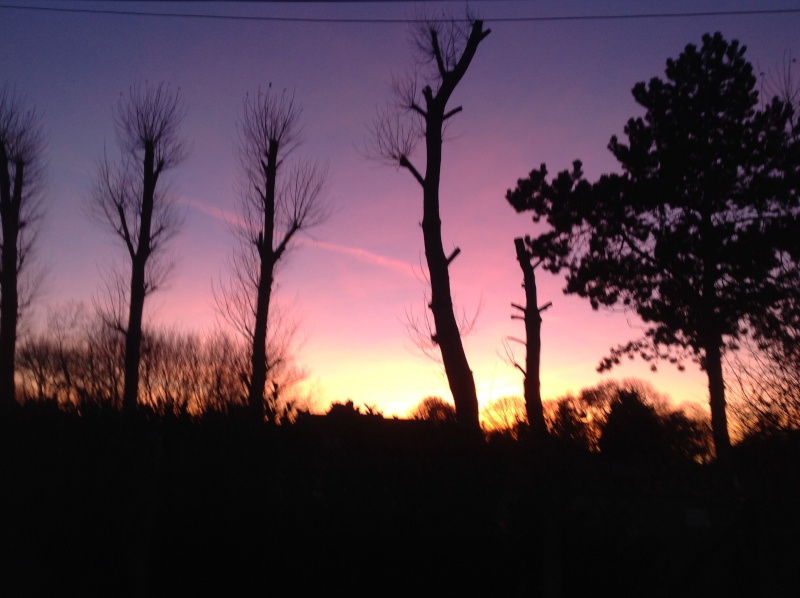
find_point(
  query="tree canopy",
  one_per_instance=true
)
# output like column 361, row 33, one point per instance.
column 691, row 234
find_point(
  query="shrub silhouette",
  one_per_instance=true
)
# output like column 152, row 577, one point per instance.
column 633, row 427
column 436, row 410
column 567, row 423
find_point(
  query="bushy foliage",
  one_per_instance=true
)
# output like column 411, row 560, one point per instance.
column 348, row 410
column 628, row 418
column 632, row 427
column 434, row 409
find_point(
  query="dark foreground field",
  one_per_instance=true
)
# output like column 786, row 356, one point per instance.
column 99, row 505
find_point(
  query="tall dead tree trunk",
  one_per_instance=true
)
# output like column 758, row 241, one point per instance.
column 450, row 68
column 532, row 316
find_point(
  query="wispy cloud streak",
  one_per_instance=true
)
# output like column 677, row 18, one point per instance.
column 367, row 257
column 229, row 217
column 232, row 219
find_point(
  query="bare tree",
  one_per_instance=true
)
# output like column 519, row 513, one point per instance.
column 766, row 383
column 130, row 198
column 532, row 317
column 434, row 409
column 277, row 201
column 47, row 361
column 449, row 46
column 21, row 149
column 504, row 416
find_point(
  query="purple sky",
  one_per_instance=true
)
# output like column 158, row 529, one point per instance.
column 536, row 92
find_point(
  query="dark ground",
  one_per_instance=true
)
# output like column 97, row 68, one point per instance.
column 102, row 506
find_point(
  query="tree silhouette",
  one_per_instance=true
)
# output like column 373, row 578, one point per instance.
column 450, row 47
column 691, row 234
column 434, row 409
column 21, row 148
column 504, row 416
column 76, row 361
column 129, row 198
column 532, row 317
column 549, row 250
column 765, row 374
column 276, row 203
column 632, row 427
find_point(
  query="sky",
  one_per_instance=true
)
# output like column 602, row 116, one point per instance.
column 537, row 91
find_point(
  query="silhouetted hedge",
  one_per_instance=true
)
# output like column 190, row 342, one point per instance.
column 102, row 504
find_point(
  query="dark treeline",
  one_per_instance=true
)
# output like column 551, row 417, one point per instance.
column 106, row 504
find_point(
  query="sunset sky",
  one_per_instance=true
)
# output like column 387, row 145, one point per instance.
column 537, row 91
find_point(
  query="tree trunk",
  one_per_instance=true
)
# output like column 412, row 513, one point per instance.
column 133, row 337
column 10, row 201
column 9, row 307
column 533, row 345
column 716, row 393
column 138, row 291
column 258, row 361
column 447, row 335
column 711, row 337
column 267, row 260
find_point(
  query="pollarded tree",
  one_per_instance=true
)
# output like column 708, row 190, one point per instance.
column 690, row 235
column 21, row 148
column 549, row 251
column 130, row 198
column 532, row 317
column 276, row 203
column 449, row 47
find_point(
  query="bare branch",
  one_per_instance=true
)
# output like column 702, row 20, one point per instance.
column 111, row 304
column 404, row 162
column 150, row 116
column 508, row 356
column 453, row 255
column 452, row 112
column 422, row 330
column 393, row 138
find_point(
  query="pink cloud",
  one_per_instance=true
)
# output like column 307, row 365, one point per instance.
column 367, row 257
column 229, row 217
